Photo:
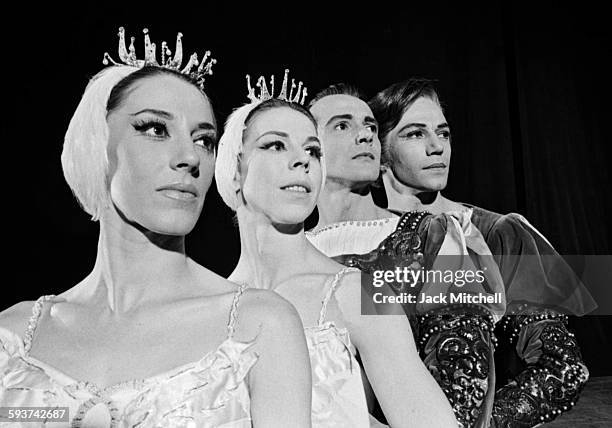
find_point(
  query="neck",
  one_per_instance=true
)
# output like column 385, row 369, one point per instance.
column 268, row 252
column 339, row 202
column 401, row 197
column 134, row 267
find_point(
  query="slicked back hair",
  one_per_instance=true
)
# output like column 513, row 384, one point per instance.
column 337, row 89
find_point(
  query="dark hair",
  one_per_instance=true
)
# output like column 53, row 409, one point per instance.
column 390, row 104
column 337, row 89
column 275, row 103
column 121, row 90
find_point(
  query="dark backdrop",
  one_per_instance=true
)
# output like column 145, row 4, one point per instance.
column 524, row 87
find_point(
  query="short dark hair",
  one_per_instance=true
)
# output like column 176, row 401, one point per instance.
column 275, row 103
column 390, row 104
column 121, row 90
column 337, row 89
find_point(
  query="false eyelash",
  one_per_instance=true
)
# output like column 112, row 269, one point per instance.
column 270, row 144
column 144, row 124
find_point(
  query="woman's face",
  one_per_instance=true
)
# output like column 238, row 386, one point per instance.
column 419, row 148
column 280, row 167
column 161, row 154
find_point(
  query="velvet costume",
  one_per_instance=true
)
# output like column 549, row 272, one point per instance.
column 538, row 360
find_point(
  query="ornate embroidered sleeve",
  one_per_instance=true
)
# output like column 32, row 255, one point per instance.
column 554, row 374
column 540, row 286
column 457, row 344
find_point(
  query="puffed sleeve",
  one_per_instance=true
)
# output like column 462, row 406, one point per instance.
column 532, row 270
column 540, row 288
column 460, row 265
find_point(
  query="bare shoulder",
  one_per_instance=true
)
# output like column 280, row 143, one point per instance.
column 266, row 311
column 349, row 285
column 348, row 294
column 352, row 276
column 16, row 317
column 354, row 294
column 267, row 306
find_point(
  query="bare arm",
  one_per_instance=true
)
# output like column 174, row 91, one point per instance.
column 280, row 381
column 408, row 394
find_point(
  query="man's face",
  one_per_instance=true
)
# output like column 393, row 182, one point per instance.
column 418, row 149
column 349, row 136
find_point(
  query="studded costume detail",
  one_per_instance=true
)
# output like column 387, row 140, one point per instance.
column 554, row 376
column 539, row 367
column 456, row 342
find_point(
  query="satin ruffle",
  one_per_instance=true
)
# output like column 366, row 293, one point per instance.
column 211, row 392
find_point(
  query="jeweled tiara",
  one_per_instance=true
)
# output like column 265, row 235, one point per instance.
column 264, row 94
column 128, row 57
